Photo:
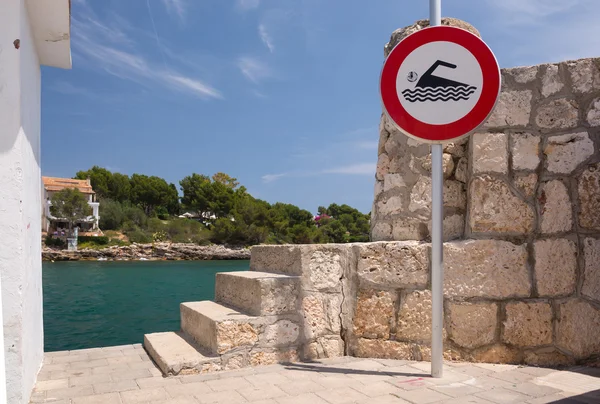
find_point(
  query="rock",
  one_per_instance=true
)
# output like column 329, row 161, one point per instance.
column 383, row 166
column 551, row 81
column 378, row 188
column 281, row 333
column 585, row 75
column 454, row 227
column 495, row 208
column 555, row 267
column 331, row 347
column 490, row 152
column 455, row 195
column 547, row 357
column 555, row 208
column 589, row 198
column 591, row 278
column 457, row 148
column 593, row 115
column 447, row 164
column 389, row 206
column 566, row 152
column 384, row 349
column 374, row 313
column 557, row 114
column 526, row 184
column 414, row 317
column 234, row 334
column 498, row 354
column 393, row 265
column 472, row 325
column 528, row 324
column 381, row 231
column 461, row 170
column 393, row 181
column 513, row 109
column 486, row 268
column 525, row 151
column 522, row 74
column 272, row 357
column 578, row 328
column 407, row 228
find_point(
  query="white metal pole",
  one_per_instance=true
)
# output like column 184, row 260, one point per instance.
column 437, row 223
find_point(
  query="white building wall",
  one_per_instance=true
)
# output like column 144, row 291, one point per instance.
column 20, row 201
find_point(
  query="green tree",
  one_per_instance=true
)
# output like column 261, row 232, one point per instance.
column 226, row 180
column 70, row 205
column 99, row 178
column 111, row 215
column 206, row 197
column 151, row 192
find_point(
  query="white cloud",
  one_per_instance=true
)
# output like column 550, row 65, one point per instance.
column 253, row 69
column 176, row 7
column 248, row 4
column 353, row 169
column 195, row 86
column 273, row 177
column 266, row 38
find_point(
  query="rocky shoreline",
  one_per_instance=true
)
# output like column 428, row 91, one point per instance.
column 149, row 252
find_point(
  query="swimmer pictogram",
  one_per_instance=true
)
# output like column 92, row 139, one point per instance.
column 435, row 88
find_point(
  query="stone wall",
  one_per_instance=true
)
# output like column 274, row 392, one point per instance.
column 522, row 231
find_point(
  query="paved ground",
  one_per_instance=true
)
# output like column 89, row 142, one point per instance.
column 125, row 374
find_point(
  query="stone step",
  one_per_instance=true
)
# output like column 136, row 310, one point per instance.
column 218, row 328
column 258, row 293
column 177, row 354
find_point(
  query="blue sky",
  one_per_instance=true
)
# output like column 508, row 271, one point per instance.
column 281, row 94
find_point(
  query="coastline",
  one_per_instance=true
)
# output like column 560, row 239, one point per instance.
column 150, row 252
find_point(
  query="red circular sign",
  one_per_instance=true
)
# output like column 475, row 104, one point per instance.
column 440, row 84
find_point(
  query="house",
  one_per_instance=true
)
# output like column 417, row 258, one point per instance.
column 53, row 185
column 32, row 33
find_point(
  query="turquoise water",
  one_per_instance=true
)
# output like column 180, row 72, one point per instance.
column 92, row 304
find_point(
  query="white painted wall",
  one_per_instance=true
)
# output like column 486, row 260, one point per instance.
column 20, row 201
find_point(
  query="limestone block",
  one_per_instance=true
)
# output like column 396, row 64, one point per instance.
column 487, row 268
column 589, row 198
column 420, row 197
column 495, row 208
column 526, row 184
column 555, row 208
column 374, row 314
column 565, row 152
column 381, row 231
column 379, row 188
column 523, row 74
column 528, row 324
column 393, row 265
column 591, row 278
column 547, row 357
column 498, row 354
column 525, row 151
column 393, row 181
column 324, row 347
column 408, row 228
column 461, row 170
column 272, row 357
column 457, row 148
column 473, row 324
column 447, row 164
column 555, row 267
column 578, row 328
column 414, row 317
column 384, row 349
column 585, row 74
column 383, row 166
column 593, row 115
column 384, row 134
column 455, row 195
column 232, row 334
column 557, row 114
column 551, row 81
column 490, row 152
column 276, row 258
column 513, row 109
column 325, row 267
column 321, row 313
column 389, row 206
column 281, row 333
column 454, row 227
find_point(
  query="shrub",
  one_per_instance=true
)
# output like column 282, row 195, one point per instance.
column 55, row 242
column 98, row 240
column 139, row 236
column 111, row 215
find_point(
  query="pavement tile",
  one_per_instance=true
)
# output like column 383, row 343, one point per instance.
column 44, row 375
column 233, row 383
column 487, row 382
column 449, row 378
column 533, row 390
column 341, row 396
column 155, row 372
column 370, row 378
column 177, row 400
column 424, row 367
column 69, row 359
column 537, row 372
column 554, row 398
column 222, row 397
column 302, row 374
column 496, row 367
column 109, row 369
column 306, row 398
column 38, row 397
column 466, row 400
column 269, row 401
column 337, row 381
column 87, row 380
column 124, row 359
column 513, row 376
column 65, row 374
column 457, row 389
column 266, row 369
column 148, row 382
column 393, row 362
column 267, row 378
column 387, row 399
column 198, row 378
column 117, row 347
column 52, row 384
column 143, row 396
column 295, row 388
column 142, row 365
column 572, row 382
column 474, row 371
column 55, row 353
column 260, row 393
column 68, row 401
column 47, row 367
column 410, row 383
column 89, row 364
column 503, row 396
column 189, row 389
column 364, row 364
column 422, row 396
column 128, row 374
column 115, row 387
column 376, row 389
column 70, row 392
column 105, row 354
column 110, row 398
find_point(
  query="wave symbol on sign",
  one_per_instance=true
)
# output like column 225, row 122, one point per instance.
column 434, row 88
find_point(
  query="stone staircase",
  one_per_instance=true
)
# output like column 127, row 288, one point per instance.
column 254, row 320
